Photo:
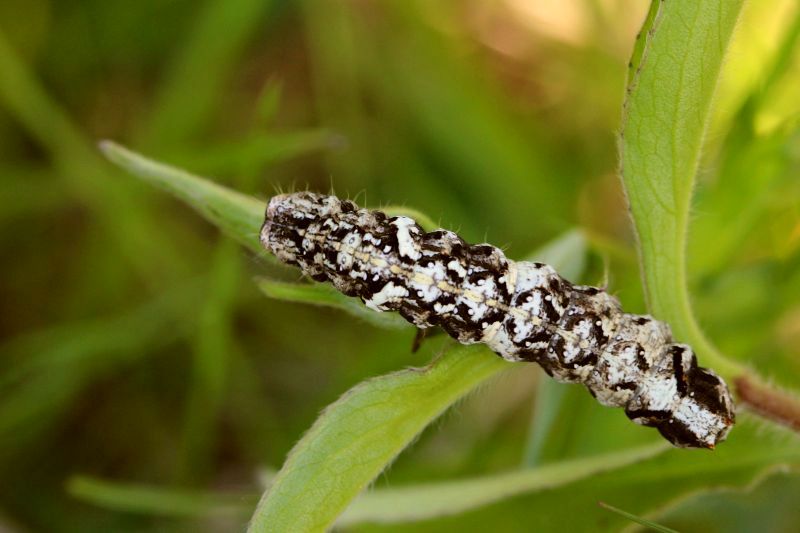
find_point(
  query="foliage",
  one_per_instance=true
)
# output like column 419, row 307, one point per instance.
column 145, row 379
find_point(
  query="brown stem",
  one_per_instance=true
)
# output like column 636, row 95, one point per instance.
column 768, row 401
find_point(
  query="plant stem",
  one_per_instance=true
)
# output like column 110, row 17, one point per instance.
column 768, row 401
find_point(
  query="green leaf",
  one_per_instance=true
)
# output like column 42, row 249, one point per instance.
column 639, row 520
column 325, row 295
column 420, row 502
column 156, row 500
column 546, row 407
column 356, row 437
column 237, row 214
column 666, row 114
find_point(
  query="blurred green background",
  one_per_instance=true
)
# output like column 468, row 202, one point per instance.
column 135, row 346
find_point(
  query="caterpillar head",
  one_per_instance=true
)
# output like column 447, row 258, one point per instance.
column 288, row 217
column 298, row 210
column 689, row 405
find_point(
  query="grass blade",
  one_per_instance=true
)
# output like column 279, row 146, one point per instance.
column 672, row 81
column 150, row 500
column 212, row 346
column 546, row 407
column 439, row 499
column 637, row 519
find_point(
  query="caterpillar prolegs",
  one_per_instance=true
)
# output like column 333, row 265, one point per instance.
column 523, row 311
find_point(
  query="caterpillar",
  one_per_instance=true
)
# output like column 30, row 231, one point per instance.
column 523, row 311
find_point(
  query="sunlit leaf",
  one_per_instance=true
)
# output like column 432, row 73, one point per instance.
column 666, row 113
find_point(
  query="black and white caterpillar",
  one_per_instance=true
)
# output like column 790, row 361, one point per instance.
column 523, row 311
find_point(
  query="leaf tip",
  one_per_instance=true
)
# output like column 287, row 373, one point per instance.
column 106, row 146
column 111, row 150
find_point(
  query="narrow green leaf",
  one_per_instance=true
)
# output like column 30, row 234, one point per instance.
column 151, row 500
column 357, row 436
column 420, row 502
column 325, row 295
column 546, row 406
column 665, row 118
column 212, row 348
column 237, row 214
column 639, row 520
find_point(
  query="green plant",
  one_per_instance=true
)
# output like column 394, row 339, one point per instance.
column 696, row 241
